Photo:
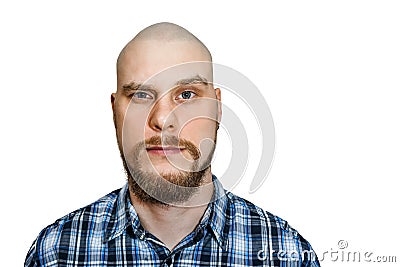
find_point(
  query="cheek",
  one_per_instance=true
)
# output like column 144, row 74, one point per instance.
column 201, row 132
column 198, row 119
column 133, row 126
column 199, row 129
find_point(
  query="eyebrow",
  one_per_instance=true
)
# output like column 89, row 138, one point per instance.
column 193, row 80
column 133, row 86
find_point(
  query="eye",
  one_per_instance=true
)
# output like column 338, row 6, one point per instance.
column 186, row 95
column 142, row 95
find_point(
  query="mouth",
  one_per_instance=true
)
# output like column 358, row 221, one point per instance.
column 164, row 150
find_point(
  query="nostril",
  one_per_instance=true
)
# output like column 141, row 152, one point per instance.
column 162, row 117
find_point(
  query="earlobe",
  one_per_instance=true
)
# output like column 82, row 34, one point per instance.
column 218, row 93
column 218, row 96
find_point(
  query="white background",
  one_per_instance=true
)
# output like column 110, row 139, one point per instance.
column 328, row 70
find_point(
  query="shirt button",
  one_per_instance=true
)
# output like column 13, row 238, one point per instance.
column 141, row 237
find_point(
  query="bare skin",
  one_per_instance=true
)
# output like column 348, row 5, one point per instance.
column 142, row 59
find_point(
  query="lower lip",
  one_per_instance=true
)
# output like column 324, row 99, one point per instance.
column 163, row 152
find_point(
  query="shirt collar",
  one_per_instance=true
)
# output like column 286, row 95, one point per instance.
column 216, row 215
column 121, row 215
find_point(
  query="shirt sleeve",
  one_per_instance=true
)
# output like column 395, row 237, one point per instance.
column 312, row 257
column 31, row 257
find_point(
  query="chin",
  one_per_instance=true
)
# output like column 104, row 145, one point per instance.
column 168, row 168
column 166, row 173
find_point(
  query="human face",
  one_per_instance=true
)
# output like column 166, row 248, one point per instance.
column 176, row 105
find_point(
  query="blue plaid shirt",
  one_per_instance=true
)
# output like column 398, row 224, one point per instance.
column 232, row 232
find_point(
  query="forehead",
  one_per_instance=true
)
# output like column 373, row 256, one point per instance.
column 162, row 64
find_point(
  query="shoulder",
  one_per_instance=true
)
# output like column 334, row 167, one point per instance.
column 243, row 210
column 92, row 219
column 275, row 234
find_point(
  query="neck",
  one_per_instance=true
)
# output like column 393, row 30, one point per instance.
column 171, row 223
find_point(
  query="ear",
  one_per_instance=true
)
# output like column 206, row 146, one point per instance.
column 218, row 96
column 112, row 100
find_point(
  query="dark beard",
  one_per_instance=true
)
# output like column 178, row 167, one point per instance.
column 155, row 189
column 165, row 188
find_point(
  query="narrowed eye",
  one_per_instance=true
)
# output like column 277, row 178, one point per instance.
column 142, row 95
column 186, row 95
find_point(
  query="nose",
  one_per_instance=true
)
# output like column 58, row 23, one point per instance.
column 161, row 117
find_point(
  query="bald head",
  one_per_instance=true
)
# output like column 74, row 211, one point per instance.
column 166, row 31
column 158, row 35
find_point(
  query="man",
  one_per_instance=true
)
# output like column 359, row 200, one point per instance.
column 172, row 211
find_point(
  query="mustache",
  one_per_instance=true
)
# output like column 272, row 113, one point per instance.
column 171, row 140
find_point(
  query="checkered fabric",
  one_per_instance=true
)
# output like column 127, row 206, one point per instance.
column 232, row 232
